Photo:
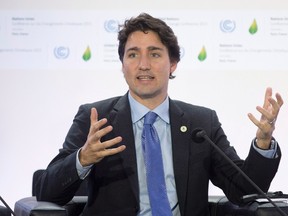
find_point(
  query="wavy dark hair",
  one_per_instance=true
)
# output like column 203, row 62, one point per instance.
column 145, row 22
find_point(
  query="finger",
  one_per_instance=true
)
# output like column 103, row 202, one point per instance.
column 253, row 119
column 275, row 107
column 261, row 124
column 279, row 99
column 271, row 107
column 268, row 94
column 95, row 124
column 93, row 119
column 266, row 114
column 99, row 133
column 109, row 152
column 93, row 115
column 113, row 151
column 106, row 147
column 110, row 143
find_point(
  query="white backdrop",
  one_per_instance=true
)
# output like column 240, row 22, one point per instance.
column 44, row 77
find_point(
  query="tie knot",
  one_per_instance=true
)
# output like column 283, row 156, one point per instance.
column 150, row 118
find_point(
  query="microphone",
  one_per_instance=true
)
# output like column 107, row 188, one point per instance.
column 199, row 135
column 7, row 206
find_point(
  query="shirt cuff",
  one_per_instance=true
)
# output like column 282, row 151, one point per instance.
column 268, row 153
column 82, row 171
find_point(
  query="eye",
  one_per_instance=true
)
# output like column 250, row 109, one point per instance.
column 155, row 55
column 132, row 55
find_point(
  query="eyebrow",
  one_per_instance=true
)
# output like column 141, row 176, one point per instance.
column 150, row 48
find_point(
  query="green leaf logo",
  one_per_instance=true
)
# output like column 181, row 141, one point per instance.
column 203, row 54
column 253, row 28
column 87, row 54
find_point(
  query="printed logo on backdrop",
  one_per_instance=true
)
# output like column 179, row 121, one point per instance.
column 227, row 26
column 202, row 54
column 87, row 54
column 61, row 52
column 253, row 27
column 111, row 26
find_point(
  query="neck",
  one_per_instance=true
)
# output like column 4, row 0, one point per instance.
column 150, row 102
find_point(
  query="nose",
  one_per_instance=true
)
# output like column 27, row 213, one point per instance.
column 144, row 63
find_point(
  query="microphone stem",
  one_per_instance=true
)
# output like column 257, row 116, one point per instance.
column 7, row 206
column 243, row 174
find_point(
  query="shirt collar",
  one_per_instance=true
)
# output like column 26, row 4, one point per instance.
column 138, row 111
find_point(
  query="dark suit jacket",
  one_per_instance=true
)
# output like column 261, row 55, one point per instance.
column 113, row 183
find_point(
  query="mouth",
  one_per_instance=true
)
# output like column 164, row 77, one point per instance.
column 145, row 77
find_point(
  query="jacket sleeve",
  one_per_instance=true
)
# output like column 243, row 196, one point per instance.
column 60, row 181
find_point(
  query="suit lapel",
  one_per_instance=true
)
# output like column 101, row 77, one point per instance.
column 181, row 139
column 122, row 124
column 180, row 131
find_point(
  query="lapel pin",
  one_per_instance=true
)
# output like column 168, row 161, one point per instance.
column 183, row 129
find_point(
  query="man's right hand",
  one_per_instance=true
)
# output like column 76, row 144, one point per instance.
column 94, row 150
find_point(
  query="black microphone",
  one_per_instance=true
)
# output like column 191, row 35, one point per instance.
column 7, row 206
column 199, row 135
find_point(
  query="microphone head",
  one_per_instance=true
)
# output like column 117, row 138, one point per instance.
column 198, row 135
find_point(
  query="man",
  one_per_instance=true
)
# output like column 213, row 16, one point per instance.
column 104, row 143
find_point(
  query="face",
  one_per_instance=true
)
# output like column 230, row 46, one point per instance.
column 146, row 68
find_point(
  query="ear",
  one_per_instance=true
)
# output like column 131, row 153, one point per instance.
column 122, row 69
column 173, row 67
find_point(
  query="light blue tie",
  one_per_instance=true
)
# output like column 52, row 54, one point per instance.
column 154, row 168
